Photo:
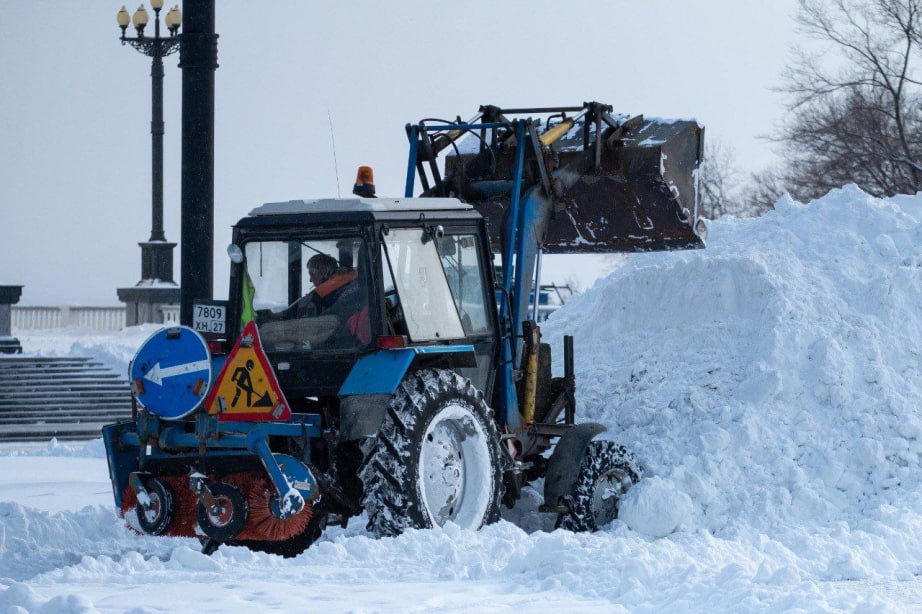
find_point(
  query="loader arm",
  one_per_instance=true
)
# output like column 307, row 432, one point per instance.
column 562, row 180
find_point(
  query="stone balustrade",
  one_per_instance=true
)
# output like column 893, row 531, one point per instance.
column 39, row 317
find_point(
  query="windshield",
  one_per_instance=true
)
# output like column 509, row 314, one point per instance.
column 425, row 298
column 308, row 294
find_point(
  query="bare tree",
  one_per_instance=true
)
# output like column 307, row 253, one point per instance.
column 854, row 110
column 722, row 192
column 763, row 190
column 718, row 182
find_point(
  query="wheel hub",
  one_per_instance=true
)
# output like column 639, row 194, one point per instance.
column 444, row 469
column 152, row 512
column 221, row 512
column 608, row 491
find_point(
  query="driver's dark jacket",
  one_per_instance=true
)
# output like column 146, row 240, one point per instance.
column 341, row 296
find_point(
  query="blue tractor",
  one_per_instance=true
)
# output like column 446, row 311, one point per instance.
column 370, row 359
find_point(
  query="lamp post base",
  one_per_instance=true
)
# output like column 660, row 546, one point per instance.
column 10, row 345
column 157, row 260
column 9, row 296
column 148, row 300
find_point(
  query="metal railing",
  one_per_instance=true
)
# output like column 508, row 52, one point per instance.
column 93, row 318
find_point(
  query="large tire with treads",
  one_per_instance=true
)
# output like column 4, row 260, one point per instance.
column 607, row 471
column 436, row 458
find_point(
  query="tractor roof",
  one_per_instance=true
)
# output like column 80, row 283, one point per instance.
column 360, row 205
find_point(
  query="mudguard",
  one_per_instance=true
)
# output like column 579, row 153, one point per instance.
column 375, row 377
column 563, row 468
column 382, row 371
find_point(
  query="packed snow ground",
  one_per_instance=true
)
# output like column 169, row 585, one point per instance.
column 770, row 385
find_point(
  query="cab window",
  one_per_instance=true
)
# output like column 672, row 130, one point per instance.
column 309, row 294
column 425, row 302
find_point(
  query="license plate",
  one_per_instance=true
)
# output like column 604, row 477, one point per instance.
column 209, row 317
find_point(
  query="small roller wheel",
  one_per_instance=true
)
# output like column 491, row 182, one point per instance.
column 223, row 520
column 159, row 514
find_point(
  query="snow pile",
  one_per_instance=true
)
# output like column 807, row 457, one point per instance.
column 656, row 507
column 33, row 542
column 772, row 378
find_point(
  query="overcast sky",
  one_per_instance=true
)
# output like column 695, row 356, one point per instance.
column 75, row 105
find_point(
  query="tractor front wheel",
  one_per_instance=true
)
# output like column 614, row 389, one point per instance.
column 606, row 473
column 436, row 458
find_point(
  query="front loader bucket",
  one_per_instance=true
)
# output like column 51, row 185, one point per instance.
column 634, row 189
column 642, row 198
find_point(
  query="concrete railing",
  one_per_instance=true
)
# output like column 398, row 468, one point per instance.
column 170, row 314
column 93, row 318
column 64, row 316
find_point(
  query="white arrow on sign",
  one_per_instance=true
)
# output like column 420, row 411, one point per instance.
column 157, row 375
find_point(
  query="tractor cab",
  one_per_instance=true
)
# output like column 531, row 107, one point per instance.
column 328, row 281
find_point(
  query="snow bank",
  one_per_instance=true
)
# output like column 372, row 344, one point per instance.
column 655, row 507
column 34, row 542
column 499, row 567
column 773, row 378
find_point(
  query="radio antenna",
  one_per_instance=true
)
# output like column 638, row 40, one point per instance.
column 335, row 163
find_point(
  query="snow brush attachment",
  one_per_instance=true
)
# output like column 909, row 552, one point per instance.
column 265, row 523
column 262, row 522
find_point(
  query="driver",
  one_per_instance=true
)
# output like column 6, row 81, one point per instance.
column 329, row 281
column 335, row 292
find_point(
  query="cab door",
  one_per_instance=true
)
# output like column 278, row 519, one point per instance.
column 461, row 251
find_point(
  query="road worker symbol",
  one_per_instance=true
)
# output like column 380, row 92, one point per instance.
column 241, row 377
column 246, row 388
column 244, row 382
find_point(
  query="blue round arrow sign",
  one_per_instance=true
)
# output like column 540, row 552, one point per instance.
column 171, row 372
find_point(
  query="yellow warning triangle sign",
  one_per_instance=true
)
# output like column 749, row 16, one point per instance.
column 246, row 388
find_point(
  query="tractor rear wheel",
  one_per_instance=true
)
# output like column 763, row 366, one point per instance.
column 436, row 458
column 607, row 472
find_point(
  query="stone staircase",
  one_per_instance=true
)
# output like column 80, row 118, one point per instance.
column 63, row 397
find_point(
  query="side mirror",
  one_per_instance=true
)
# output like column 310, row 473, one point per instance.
column 448, row 245
column 235, row 253
column 432, row 231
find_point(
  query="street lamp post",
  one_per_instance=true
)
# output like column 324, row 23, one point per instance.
column 156, row 287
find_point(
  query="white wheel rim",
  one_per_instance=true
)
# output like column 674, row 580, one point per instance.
column 608, row 490
column 455, row 473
